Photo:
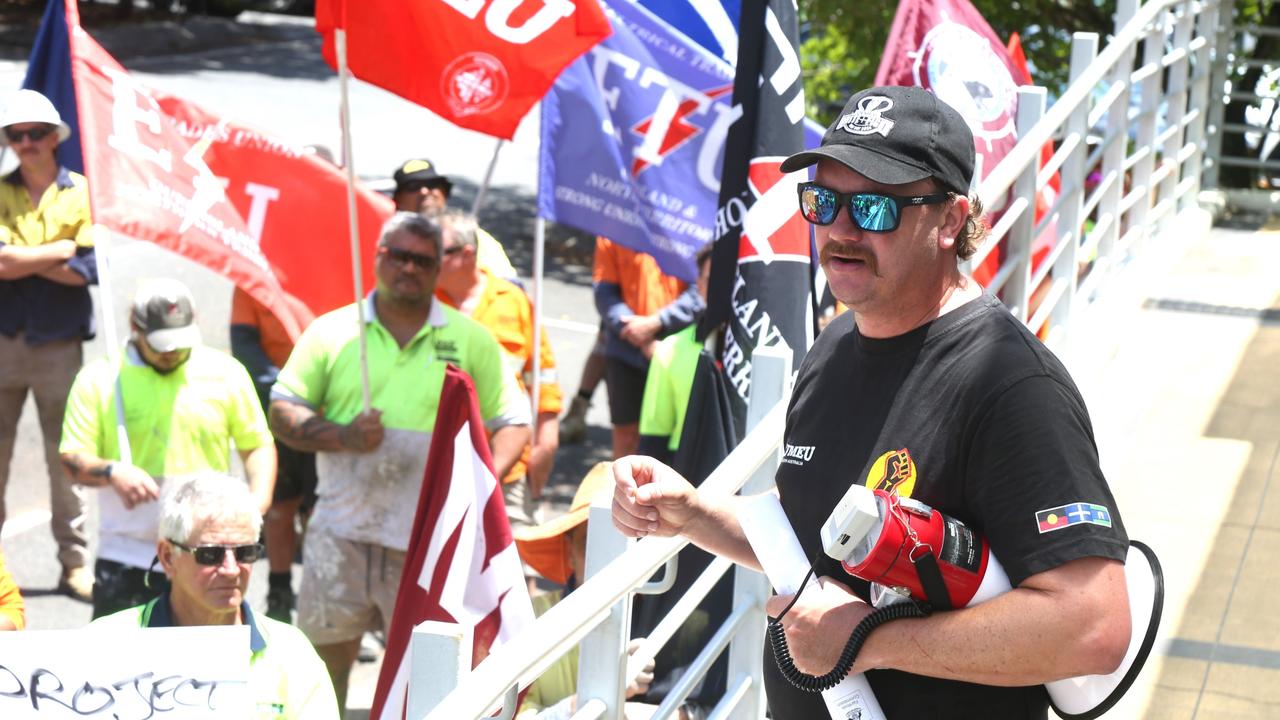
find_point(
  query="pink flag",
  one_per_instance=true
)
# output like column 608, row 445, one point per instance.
column 462, row 565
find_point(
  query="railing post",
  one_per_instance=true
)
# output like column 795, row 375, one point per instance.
column 1017, row 290
column 1206, row 27
column 439, row 657
column 602, row 659
column 1110, row 221
column 770, row 382
column 1145, row 138
column 1218, row 91
column 1176, row 107
column 1084, row 48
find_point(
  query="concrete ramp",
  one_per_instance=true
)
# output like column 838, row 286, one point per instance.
column 1180, row 364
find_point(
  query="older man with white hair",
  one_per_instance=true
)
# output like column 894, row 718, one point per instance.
column 208, row 542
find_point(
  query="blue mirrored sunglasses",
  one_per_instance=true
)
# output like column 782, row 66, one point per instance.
column 871, row 212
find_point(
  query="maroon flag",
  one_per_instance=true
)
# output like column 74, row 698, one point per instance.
column 462, row 566
column 946, row 46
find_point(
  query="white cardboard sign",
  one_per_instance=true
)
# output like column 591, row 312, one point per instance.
column 177, row 673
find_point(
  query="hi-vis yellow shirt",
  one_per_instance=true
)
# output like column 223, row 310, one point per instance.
column 61, row 214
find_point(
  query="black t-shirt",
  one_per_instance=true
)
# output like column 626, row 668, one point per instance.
column 971, row 415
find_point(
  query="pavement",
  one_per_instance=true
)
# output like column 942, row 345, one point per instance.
column 1179, row 369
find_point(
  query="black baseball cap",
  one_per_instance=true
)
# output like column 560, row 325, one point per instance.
column 897, row 135
column 423, row 171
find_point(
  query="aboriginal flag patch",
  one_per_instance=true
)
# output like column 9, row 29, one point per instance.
column 1073, row 514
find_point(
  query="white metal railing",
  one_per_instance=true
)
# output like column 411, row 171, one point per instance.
column 1146, row 122
column 1134, row 115
column 594, row 616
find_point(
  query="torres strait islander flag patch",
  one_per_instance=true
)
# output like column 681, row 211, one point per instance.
column 1073, row 514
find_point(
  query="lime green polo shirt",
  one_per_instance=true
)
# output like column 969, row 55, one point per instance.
column 404, row 383
column 668, row 384
column 287, row 679
column 178, row 424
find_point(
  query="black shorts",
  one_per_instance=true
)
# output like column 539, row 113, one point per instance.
column 626, row 390
column 295, row 475
column 119, row 587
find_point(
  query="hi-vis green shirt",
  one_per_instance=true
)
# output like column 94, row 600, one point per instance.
column 404, row 383
column 668, row 385
column 371, row 497
column 181, row 423
column 287, row 679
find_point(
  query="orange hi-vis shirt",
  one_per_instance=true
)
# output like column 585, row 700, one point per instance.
column 11, row 605
column 505, row 310
column 275, row 341
column 645, row 288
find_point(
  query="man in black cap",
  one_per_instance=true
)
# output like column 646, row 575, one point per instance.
column 931, row 390
column 420, row 188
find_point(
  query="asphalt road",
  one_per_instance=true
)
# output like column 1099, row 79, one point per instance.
column 285, row 87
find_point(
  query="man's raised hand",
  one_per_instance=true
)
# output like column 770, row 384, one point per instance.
column 650, row 498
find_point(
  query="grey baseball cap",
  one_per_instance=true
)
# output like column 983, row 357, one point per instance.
column 897, row 135
column 163, row 312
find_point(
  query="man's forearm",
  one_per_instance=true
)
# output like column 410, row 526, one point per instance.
column 718, row 532
column 85, row 469
column 62, row 274
column 507, row 445
column 303, row 429
column 1003, row 641
column 19, row 262
column 260, row 467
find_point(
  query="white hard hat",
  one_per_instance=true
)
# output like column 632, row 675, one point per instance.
column 29, row 106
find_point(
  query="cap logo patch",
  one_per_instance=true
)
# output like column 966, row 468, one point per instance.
column 868, row 119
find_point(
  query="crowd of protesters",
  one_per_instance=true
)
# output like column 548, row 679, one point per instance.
column 328, row 480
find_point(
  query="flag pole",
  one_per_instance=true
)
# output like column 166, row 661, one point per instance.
column 340, row 40
column 539, row 240
column 488, row 177
column 106, row 303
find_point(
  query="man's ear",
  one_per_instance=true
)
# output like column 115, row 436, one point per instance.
column 165, row 552
column 952, row 221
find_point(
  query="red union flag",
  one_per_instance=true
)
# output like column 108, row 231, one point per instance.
column 479, row 65
column 462, row 565
column 267, row 215
column 947, row 47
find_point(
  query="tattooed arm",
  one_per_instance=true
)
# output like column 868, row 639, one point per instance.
column 302, row 428
column 131, row 483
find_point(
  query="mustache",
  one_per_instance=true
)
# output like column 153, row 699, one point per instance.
column 849, row 251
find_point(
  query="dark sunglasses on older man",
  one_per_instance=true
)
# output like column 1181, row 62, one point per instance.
column 404, row 258
column 213, row 555
column 34, row 134
column 871, row 212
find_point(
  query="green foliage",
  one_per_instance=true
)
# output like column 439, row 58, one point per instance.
column 844, row 41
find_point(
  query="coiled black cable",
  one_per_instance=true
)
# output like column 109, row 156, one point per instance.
column 818, row 683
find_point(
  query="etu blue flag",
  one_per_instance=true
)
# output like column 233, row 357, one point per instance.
column 632, row 140
column 49, row 73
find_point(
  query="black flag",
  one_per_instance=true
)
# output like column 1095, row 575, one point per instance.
column 760, row 268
